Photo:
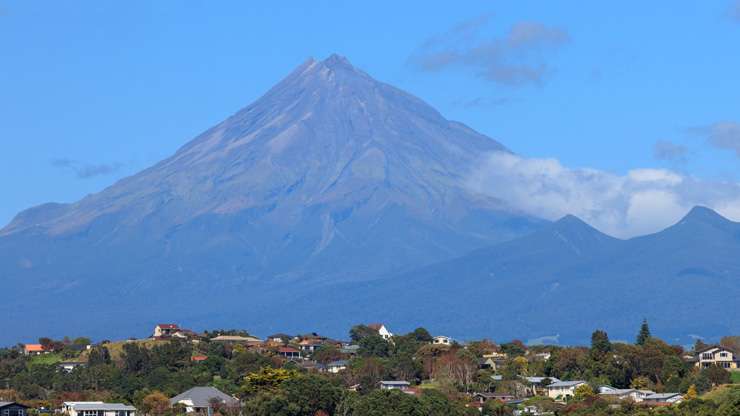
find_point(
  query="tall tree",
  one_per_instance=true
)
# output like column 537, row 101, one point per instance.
column 644, row 335
column 600, row 344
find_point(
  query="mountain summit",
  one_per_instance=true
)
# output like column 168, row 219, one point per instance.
column 330, row 176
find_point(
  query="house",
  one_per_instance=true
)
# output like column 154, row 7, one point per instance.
column 350, row 349
column 442, row 340
column 621, row 394
column 382, row 330
column 289, row 352
column 203, row 400
column 13, row 409
column 484, row 397
column 97, row 409
column 34, row 349
column 69, row 366
column 537, row 385
column 663, row 399
column 335, row 367
column 560, row 390
column 165, row 330
column 310, row 345
column 236, row 339
column 198, row 358
column 186, row 334
column 717, row 355
column 394, row 385
column 487, row 364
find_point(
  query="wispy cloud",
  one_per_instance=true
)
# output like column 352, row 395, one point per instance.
column 723, row 135
column 86, row 170
column 669, row 151
column 515, row 59
column 639, row 202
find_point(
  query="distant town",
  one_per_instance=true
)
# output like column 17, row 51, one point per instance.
column 373, row 372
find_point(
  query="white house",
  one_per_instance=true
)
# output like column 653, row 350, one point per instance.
column 382, row 331
column 442, row 340
column 203, row 399
column 717, row 355
column 336, row 366
column 664, row 398
column 165, row 330
column 97, row 409
column 621, row 394
column 394, row 385
column 560, row 390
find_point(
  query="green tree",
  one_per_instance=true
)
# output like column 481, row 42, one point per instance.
column 389, row 403
column 600, row 344
column 312, row 394
column 644, row 335
column 374, row 346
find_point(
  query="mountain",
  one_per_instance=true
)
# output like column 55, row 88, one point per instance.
column 330, row 177
column 564, row 281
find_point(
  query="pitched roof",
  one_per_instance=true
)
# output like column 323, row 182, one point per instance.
column 287, row 350
column 338, row 363
column 566, row 383
column 34, row 347
column 102, row 406
column 375, row 326
column 201, row 397
column 662, row 396
column 395, row 383
column 168, row 326
column 3, row 404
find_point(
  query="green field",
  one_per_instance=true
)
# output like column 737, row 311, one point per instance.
column 45, row 359
column 735, row 376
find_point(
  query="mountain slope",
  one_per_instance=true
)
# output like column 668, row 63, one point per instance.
column 331, row 176
column 567, row 280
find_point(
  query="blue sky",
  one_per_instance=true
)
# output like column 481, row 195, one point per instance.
column 93, row 91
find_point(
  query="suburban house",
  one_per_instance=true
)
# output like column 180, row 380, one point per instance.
column 97, row 409
column 394, row 385
column 350, row 349
column 165, row 330
column 336, row 366
column 621, row 394
column 382, row 330
column 204, row 400
column 484, row 397
column 536, row 385
column 236, row 339
column 717, row 355
column 289, row 352
column 663, row 398
column 13, row 409
column 68, row 366
column 310, row 345
column 198, row 358
column 34, row 349
column 560, row 390
column 442, row 340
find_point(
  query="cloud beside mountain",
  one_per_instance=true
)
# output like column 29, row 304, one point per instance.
column 86, row 170
column 639, row 202
column 517, row 58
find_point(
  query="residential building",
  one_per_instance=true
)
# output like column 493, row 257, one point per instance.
column 560, row 390
column 335, row 367
column 442, row 340
column 204, row 400
column 165, row 330
column 235, row 339
column 382, row 330
column 394, row 385
column 289, row 352
column 663, row 398
column 717, row 355
column 13, row 409
column 97, row 409
column 68, row 366
column 34, row 349
column 621, row 394
column 484, row 397
column 535, row 386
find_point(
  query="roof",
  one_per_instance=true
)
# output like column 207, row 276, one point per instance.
column 34, row 347
column 338, row 363
column 711, row 347
column 201, row 397
column 662, row 396
column 618, row 392
column 395, row 383
column 538, row 380
column 375, row 326
column 168, row 326
column 3, row 404
column 235, row 338
column 566, row 383
column 287, row 350
column 199, row 358
column 102, row 406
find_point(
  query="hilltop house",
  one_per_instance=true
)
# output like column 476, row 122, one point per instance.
column 165, row 330
column 97, row 409
column 442, row 340
column 204, row 400
column 34, row 349
column 382, row 330
column 289, row 353
column 335, row 367
column 394, row 385
column 717, row 355
column 13, row 409
column 536, row 385
column 560, row 390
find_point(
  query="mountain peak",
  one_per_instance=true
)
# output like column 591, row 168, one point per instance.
column 337, row 61
column 704, row 215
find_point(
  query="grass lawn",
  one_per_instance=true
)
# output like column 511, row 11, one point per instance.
column 735, row 377
column 45, row 359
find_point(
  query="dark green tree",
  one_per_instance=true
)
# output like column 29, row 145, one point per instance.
column 644, row 335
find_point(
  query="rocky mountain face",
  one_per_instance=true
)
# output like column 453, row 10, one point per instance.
column 330, row 177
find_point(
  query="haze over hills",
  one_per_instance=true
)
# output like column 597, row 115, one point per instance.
column 567, row 279
column 330, row 177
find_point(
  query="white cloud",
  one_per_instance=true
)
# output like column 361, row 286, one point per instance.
column 640, row 202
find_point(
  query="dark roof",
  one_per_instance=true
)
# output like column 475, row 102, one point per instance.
column 168, row 326
column 201, row 397
column 4, row 404
column 710, row 347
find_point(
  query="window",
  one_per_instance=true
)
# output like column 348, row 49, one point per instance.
column 723, row 354
column 706, row 356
